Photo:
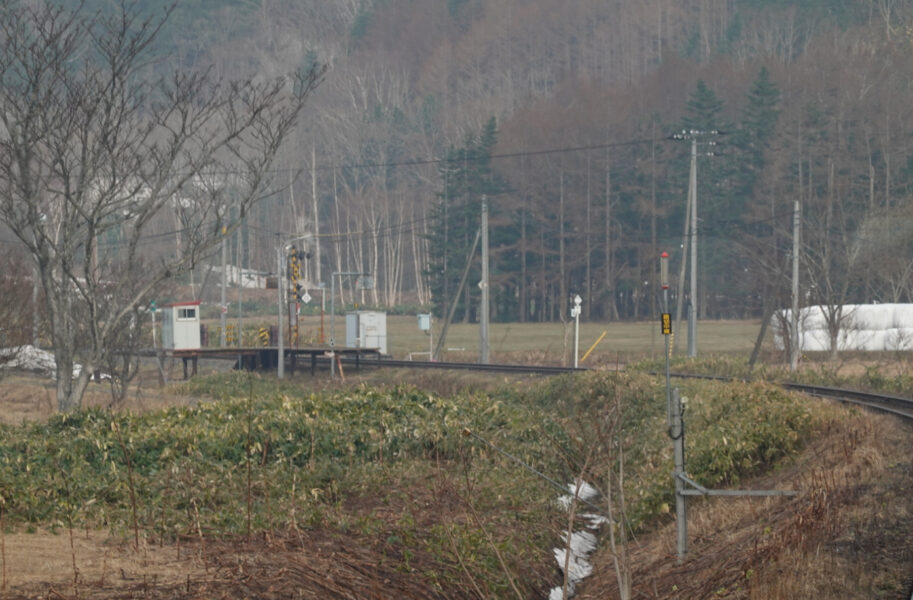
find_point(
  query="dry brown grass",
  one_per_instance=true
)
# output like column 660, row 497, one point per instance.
column 845, row 536
column 32, row 398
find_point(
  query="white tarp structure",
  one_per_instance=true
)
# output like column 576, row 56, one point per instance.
column 247, row 278
column 871, row 327
column 30, row 358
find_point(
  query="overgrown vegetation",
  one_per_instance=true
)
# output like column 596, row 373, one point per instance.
column 869, row 377
column 392, row 466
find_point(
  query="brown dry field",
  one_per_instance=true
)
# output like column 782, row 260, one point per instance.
column 846, row 535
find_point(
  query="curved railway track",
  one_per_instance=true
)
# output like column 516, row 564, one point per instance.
column 895, row 405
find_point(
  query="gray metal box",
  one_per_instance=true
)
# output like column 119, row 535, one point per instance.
column 366, row 329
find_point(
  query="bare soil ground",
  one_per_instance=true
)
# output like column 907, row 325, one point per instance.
column 847, row 535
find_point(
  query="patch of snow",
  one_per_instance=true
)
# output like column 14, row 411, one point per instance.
column 585, row 492
column 582, row 543
column 595, row 521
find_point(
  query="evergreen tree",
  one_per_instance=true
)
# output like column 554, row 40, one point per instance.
column 761, row 275
column 718, row 206
column 759, row 120
column 703, row 110
column 466, row 175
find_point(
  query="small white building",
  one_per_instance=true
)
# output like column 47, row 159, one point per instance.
column 367, row 329
column 181, row 326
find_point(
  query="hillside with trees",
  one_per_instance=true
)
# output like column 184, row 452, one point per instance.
column 564, row 117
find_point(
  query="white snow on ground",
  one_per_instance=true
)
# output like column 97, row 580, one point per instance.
column 586, row 492
column 582, row 543
column 30, row 358
column 594, row 520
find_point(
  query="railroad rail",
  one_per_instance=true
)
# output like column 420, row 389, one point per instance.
column 896, row 405
column 465, row 366
column 252, row 358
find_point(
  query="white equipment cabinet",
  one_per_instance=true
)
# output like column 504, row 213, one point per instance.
column 367, row 329
column 181, row 326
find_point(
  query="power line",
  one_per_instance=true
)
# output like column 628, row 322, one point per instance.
column 418, row 162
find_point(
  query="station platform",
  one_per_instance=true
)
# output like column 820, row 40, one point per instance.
column 266, row 358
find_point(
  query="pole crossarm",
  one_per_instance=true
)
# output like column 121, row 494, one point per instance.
column 688, row 134
column 700, row 490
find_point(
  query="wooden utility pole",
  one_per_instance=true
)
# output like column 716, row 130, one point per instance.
column 794, row 325
column 692, row 308
column 223, row 306
column 316, row 215
column 454, row 300
column 483, row 313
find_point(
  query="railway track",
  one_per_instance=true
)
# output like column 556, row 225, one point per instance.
column 895, row 405
column 461, row 366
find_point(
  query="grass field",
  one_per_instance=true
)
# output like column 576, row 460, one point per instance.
column 552, row 341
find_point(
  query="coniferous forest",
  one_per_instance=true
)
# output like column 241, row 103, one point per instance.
column 576, row 122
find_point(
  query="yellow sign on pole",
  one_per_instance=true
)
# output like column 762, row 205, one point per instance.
column 667, row 324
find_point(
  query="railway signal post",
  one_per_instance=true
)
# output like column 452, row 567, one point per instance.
column 674, row 412
column 575, row 313
column 685, row 486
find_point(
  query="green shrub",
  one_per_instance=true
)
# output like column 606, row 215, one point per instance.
column 308, row 457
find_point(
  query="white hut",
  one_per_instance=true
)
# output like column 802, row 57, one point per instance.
column 181, row 326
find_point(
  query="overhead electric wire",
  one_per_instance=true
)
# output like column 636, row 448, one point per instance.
column 419, row 162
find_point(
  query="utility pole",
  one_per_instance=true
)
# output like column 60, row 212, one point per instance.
column 283, row 281
column 316, row 215
column 693, row 135
column 35, row 316
column 794, row 325
column 453, row 299
column 223, row 306
column 240, row 234
column 692, row 305
column 666, row 326
column 280, row 342
column 483, row 285
column 686, row 236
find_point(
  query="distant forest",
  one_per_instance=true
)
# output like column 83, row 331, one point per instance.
column 565, row 116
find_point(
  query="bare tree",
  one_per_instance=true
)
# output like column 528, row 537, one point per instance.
column 15, row 314
column 93, row 143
